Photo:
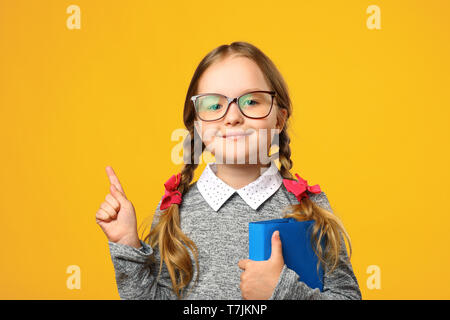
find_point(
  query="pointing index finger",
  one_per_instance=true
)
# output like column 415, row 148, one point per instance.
column 113, row 178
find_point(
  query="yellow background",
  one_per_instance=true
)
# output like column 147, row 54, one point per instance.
column 370, row 126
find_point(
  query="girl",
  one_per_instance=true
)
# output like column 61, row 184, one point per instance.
column 197, row 247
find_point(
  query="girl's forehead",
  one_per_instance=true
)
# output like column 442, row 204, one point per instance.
column 232, row 76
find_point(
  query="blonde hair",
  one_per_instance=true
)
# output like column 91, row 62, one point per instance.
column 167, row 234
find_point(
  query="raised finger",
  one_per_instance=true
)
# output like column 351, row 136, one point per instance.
column 113, row 179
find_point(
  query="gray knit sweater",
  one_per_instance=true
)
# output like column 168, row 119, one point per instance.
column 222, row 240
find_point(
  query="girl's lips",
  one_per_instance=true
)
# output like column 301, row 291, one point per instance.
column 236, row 136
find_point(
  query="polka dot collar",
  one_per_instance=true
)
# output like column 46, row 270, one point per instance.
column 216, row 192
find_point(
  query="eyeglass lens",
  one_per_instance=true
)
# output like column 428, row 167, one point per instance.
column 254, row 105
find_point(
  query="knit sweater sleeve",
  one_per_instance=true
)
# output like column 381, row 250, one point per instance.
column 341, row 284
column 136, row 272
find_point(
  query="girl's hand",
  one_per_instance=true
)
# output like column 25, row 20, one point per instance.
column 260, row 278
column 116, row 215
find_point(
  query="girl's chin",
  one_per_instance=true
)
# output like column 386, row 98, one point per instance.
column 231, row 159
column 233, row 156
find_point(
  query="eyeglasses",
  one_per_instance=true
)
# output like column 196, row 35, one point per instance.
column 254, row 104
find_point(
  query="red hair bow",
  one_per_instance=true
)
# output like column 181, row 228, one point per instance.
column 298, row 188
column 172, row 195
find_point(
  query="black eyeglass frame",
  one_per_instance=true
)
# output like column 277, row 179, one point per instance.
column 230, row 101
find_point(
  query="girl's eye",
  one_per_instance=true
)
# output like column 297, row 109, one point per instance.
column 214, row 107
column 250, row 102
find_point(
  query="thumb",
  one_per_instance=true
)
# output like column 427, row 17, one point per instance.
column 277, row 252
column 118, row 194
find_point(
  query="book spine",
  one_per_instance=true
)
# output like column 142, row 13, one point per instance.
column 256, row 242
column 267, row 240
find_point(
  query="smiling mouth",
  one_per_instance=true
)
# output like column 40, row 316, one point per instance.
column 236, row 135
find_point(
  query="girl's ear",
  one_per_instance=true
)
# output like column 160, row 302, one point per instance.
column 281, row 120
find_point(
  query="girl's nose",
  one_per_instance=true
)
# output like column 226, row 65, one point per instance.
column 234, row 115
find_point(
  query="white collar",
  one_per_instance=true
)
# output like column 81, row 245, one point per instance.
column 216, row 192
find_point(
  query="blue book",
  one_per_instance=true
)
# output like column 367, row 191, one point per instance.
column 295, row 238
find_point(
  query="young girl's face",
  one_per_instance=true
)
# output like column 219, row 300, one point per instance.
column 233, row 77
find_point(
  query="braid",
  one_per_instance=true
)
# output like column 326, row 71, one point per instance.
column 187, row 172
column 285, row 155
column 167, row 234
column 327, row 226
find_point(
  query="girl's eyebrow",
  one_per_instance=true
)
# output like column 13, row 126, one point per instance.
column 252, row 89
column 242, row 92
